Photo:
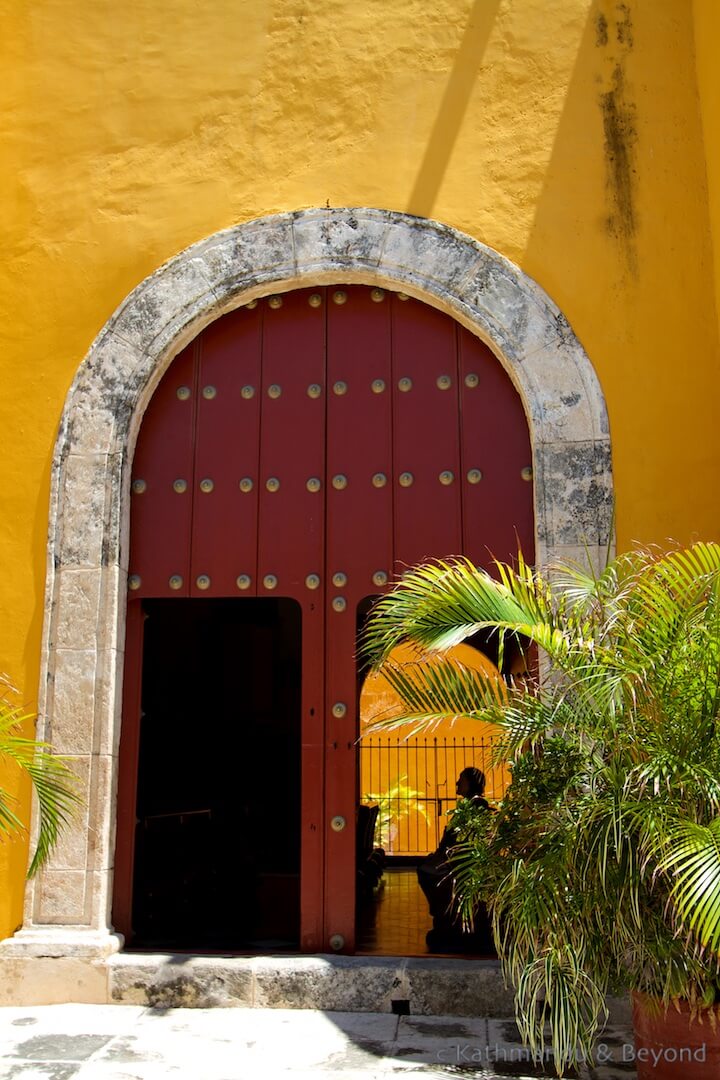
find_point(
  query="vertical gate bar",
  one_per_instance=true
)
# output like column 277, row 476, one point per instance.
column 455, row 761
column 405, row 810
column 371, row 770
column 431, row 828
column 437, row 789
column 419, row 788
column 398, row 797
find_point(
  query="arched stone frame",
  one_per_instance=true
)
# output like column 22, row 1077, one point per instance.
column 68, row 904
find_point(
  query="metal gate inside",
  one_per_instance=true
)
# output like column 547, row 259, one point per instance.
column 296, row 457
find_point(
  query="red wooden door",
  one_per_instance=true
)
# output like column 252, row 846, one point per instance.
column 312, row 446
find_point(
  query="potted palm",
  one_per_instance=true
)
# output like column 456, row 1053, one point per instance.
column 54, row 784
column 602, row 866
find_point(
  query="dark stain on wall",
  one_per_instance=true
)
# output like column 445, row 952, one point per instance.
column 601, row 30
column 624, row 29
column 618, row 116
column 618, row 112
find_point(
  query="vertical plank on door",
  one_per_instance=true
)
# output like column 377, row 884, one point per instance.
column 291, row 527
column 224, row 533
column 160, row 515
column 359, row 545
column 425, row 434
column 498, row 506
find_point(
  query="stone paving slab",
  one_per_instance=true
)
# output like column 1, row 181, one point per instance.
column 125, row 1042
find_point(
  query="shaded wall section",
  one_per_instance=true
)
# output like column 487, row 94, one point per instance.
column 621, row 240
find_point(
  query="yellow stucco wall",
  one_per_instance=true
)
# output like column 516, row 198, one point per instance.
column 707, row 42
column 567, row 134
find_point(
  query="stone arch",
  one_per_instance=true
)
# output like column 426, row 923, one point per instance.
column 68, row 905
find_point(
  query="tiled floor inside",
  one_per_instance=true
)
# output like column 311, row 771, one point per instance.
column 396, row 920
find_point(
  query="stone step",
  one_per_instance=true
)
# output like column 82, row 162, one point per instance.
column 416, row 986
column 433, row 986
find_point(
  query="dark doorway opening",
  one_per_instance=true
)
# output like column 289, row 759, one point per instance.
column 217, row 847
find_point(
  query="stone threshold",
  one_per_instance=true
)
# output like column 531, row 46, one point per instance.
column 415, row 986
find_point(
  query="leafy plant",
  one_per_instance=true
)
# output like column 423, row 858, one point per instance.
column 398, row 801
column 602, row 866
column 55, row 785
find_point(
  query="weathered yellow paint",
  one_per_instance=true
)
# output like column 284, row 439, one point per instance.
column 707, row 37
column 567, row 134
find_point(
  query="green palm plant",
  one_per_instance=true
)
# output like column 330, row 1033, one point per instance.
column 54, row 784
column 602, row 866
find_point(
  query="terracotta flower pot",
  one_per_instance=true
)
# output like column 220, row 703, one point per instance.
column 670, row 1045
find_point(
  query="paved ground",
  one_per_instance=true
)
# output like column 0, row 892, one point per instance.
column 128, row 1042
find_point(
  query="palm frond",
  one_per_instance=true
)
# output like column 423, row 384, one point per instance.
column 440, row 689
column 693, row 855
column 543, row 957
column 556, row 989
column 440, row 604
column 9, row 821
column 56, row 787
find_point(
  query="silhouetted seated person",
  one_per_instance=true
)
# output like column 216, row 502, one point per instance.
column 435, row 878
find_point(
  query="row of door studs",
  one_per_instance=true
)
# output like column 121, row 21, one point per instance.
column 314, row 483
column 339, row 297
column 270, row 582
column 340, row 388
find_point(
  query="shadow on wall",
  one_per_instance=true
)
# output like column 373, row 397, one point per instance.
column 620, row 240
column 453, row 107
column 593, row 156
column 604, row 175
column 594, row 161
column 624, row 180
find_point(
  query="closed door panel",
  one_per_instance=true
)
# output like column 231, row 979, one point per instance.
column 496, row 459
column 162, row 477
column 291, row 540
column 359, row 545
column 292, row 446
column 359, row 439
column 225, row 482
column 426, row 450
